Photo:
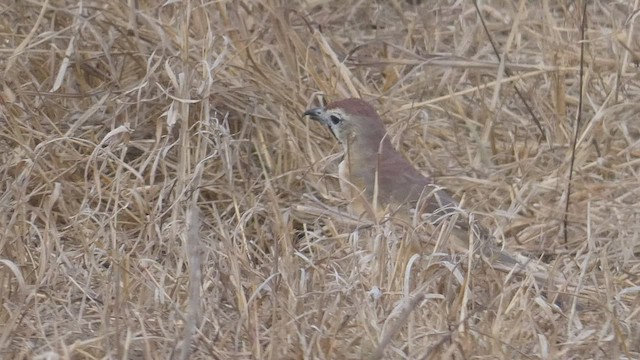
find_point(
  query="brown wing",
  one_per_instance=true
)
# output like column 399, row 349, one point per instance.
column 405, row 184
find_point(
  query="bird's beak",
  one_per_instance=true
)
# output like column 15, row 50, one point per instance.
column 315, row 114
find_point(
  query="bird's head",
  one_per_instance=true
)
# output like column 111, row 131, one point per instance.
column 351, row 121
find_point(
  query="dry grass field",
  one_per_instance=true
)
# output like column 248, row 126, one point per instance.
column 161, row 195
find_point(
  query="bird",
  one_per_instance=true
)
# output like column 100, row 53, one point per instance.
column 378, row 180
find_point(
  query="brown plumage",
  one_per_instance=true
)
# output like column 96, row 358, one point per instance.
column 377, row 179
column 371, row 165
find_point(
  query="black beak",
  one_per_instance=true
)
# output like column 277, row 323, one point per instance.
column 314, row 113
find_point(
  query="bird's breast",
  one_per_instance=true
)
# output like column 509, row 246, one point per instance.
column 344, row 177
column 352, row 187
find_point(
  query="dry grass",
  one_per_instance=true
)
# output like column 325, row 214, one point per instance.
column 161, row 196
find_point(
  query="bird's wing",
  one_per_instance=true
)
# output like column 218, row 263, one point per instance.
column 404, row 184
column 434, row 204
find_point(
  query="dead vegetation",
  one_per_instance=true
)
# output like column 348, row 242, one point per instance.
column 161, row 196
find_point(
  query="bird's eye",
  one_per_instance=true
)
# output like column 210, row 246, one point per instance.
column 335, row 119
